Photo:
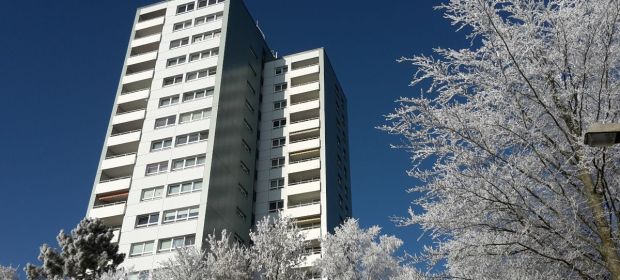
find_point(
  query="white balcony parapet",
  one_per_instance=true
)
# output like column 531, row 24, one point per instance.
column 118, row 161
column 312, row 86
column 146, row 40
column 303, row 188
column 303, row 166
column 129, row 116
column 108, row 210
column 133, row 96
column 305, row 70
column 150, row 23
column 125, row 137
column 316, row 179
column 312, row 233
column 142, row 57
column 304, row 144
column 117, row 234
column 138, row 76
column 303, row 210
column 304, row 124
column 298, row 107
column 113, row 185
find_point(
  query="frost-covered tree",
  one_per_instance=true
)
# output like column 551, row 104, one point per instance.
column 85, row 253
column 224, row 260
column 509, row 189
column 8, row 273
column 278, row 248
column 352, row 253
column 118, row 274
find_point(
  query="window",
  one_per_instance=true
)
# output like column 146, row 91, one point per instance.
column 252, row 70
column 141, row 249
column 278, row 142
column 207, row 18
column 242, row 190
column 169, row 100
column 281, row 70
column 253, row 52
column 195, row 115
column 277, row 162
column 182, row 25
column 151, row 193
column 241, row 214
column 185, row 187
column 205, row 36
column 192, row 138
column 245, row 146
column 276, row 184
column 203, row 54
column 278, row 105
column 181, row 214
column 200, row 74
column 140, row 275
column 179, row 42
column 147, row 220
column 251, row 88
column 175, row 61
column 170, row 244
column 197, row 94
column 247, row 125
column 166, row 121
column 249, row 106
column 204, row 3
column 185, row 8
column 156, row 168
column 188, row 162
column 245, row 168
column 275, row 206
column 168, row 81
column 161, row 144
column 279, row 123
column 280, row 87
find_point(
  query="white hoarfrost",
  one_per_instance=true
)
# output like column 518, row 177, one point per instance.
column 509, row 189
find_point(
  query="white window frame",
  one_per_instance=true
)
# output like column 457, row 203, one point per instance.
column 176, row 61
column 162, row 167
column 177, row 43
column 169, row 121
column 195, row 56
column 281, row 70
column 279, row 105
column 154, row 195
column 280, row 87
column 181, row 214
column 206, row 36
column 278, row 162
column 199, row 74
column 184, row 8
column 182, row 25
column 208, row 3
column 208, row 18
column 172, row 80
column 279, row 123
column 192, row 138
column 278, row 142
column 279, row 183
column 142, row 246
column 163, row 143
column 197, row 94
column 149, row 220
column 195, row 115
column 279, row 206
column 188, row 162
column 169, row 101
column 186, row 240
column 194, row 186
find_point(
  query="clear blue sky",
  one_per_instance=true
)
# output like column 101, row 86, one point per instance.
column 60, row 63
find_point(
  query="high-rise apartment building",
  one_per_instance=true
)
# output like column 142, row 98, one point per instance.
column 210, row 131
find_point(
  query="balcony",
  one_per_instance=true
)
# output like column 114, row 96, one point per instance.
column 310, row 69
column 304, row 205
column 309, row 164
column 304, row 124
column 117, row 235
column 313, row 233
column 302, row 64
column 312, row 86
column 138, row 95
column 155, row 38
column 124, row 138
column 311, row 258
column 138, row 76
column 304, row 97
column 301, row 187
column 142, row 57
column 118, row 161
column 304, row 106
column 113, row 185
column 110, row 212
column 150, row 23
column 304, row 141
column 130, row 116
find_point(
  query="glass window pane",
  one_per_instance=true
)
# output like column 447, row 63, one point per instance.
column 178, row 242
column 174, row 189
column 157, row 192
column 197, row 185
column 154, row 218
column 193, row 212
column 182, row 214
column 165, row 244
column 193, row 137
column 186, row 187
column 135, row 249
column 169, row 216
column 148, row 247
column 189, row 240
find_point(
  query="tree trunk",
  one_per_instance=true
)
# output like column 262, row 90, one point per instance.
column 608, row 247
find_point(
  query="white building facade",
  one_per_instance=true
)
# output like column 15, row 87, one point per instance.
column 210, row 131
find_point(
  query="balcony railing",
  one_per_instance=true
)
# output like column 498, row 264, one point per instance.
column 126, row 132
column 305, row 101
column 114, row 179
column 303, row 160
column 311, row 251
column 307, row 203
column 304, row 66
column 138, row 72
column 127, row 112
column 308, row 119
column 130, row 92
column 305, row 139
column 117, row 156
column 304, row 181
column 310, row 226
column 109, row 204
column 305, row 83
